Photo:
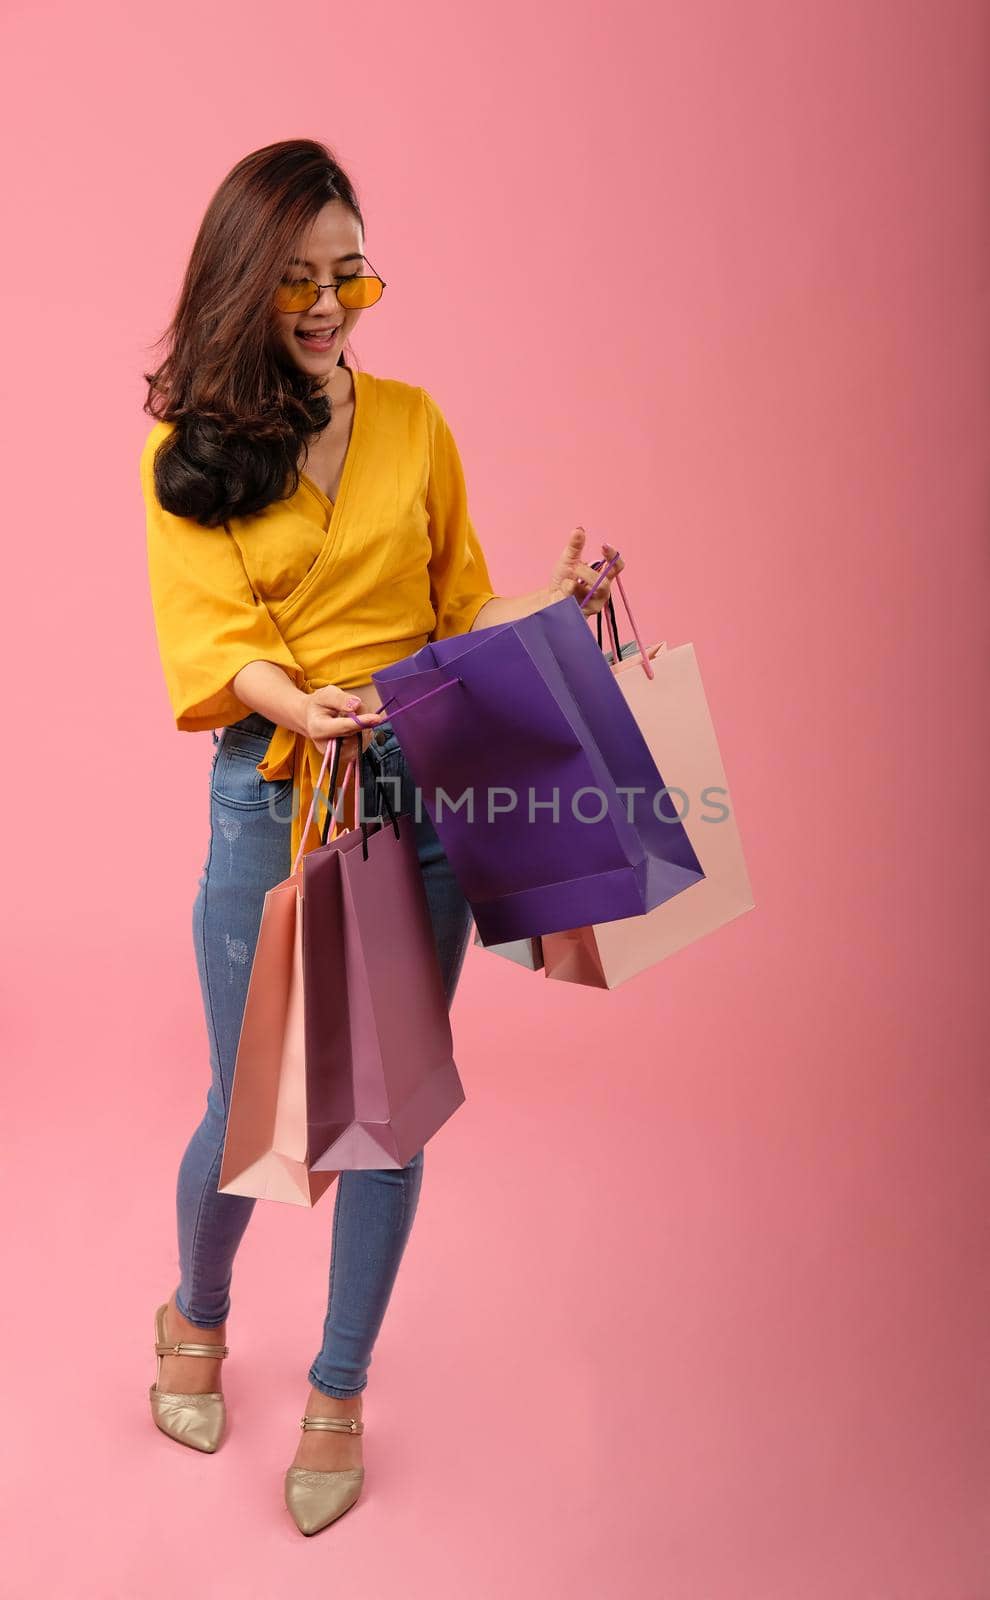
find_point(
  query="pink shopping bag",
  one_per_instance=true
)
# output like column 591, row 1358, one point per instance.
column 267, row 1149
column 664, row 691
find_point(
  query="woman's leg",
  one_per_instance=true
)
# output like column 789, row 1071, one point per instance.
column 374, row 1210
column 249, row 853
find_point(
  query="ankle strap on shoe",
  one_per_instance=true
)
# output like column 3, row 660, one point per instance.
column 334, row 1424
column 217, row 1351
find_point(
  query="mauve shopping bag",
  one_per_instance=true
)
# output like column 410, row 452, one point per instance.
column 380, row 1071
column 672, row 711
column 496, row 724
column 267, row 1151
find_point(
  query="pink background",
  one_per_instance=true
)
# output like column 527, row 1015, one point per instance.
column 696, row 1302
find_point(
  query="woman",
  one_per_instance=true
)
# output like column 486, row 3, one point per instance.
column 307, row 524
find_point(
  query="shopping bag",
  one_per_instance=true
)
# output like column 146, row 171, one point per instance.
column 526, row 953
column 671, row 709
column 380, row 1072
column 520, row 741
column 266, row 1150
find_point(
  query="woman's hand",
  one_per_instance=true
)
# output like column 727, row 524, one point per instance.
column 573, row 576
column 332, row 713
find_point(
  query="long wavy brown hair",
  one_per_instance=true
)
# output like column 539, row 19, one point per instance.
column 242, row 410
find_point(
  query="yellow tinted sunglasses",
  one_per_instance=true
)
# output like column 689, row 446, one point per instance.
column 355, row 292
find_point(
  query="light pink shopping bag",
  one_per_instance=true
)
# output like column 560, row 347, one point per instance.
column 266, row 1151
column 667, row 699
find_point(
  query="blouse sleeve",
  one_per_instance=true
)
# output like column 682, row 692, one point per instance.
column 459, row 579
column 208, row 620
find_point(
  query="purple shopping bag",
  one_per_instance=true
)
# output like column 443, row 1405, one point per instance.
column 495, row 723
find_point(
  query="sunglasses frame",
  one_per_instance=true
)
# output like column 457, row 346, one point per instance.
column 333, row 284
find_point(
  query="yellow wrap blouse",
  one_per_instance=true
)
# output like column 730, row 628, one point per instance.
column 328, row 591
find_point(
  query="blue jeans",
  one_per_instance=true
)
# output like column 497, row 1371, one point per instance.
column 249, row 852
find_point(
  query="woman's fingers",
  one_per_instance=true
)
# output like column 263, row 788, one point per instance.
column 348, row 744
column 587, row 577
column 570, row 553
column 608, row 551
column 338, row 703
column 332, row 698
column 589, row 573
column 342, row 713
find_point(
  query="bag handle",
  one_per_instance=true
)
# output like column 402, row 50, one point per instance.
column 410, row 703
column 613, row 628
column 334, row 746
column 605, row 566
column 333, row 749
column 362, row 756
column 331, row 815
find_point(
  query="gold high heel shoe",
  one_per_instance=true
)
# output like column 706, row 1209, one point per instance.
column 194, row 1419
column 318, row 1498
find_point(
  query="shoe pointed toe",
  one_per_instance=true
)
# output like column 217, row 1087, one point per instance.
column 198, row 1420
column 315, row 1499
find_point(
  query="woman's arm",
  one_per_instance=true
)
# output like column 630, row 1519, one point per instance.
column 268, row 689
column 508, row 608
column 570, row 576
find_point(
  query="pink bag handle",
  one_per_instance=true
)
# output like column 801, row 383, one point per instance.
column 318, row 793
column 605, row 566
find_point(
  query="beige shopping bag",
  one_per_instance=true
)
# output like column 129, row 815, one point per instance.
column 672, row 712
column 266, row 1152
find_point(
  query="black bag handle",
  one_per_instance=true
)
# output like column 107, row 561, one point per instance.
column 331, row 786
column 615, row 626
column 597, row 565
column 358, row 791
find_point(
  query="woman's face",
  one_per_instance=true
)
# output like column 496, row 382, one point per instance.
column 331, row 250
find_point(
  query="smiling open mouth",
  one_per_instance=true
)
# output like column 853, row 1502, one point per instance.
column 320, row 340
